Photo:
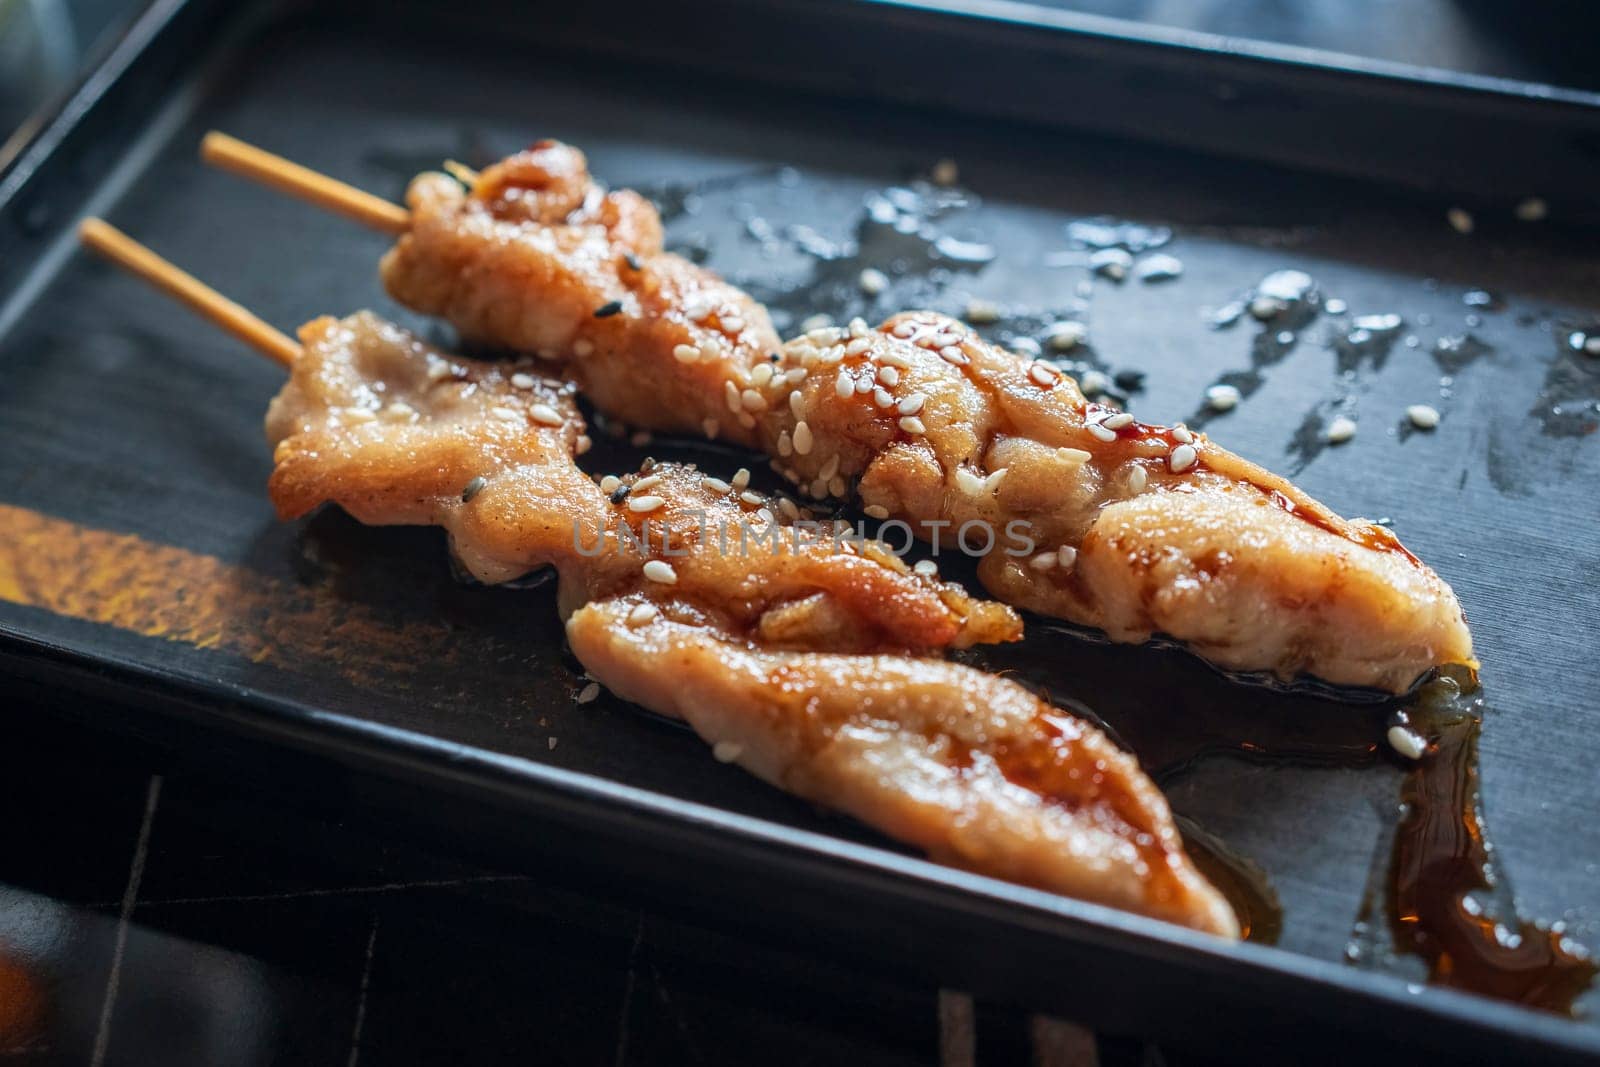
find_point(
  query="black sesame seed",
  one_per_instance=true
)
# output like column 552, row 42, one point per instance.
column 1129, row 380
column 605, row 311
column 473, row 488
column 631, row 260
column 620, row 493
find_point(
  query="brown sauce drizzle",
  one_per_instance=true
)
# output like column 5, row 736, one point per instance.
column 1441, row 873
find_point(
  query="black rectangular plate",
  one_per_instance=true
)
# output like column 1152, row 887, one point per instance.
column 122, row 415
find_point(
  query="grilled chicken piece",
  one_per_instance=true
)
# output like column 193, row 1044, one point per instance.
column 394, row 432
column 1134, row 529
column 787, row 654
column 971, row 768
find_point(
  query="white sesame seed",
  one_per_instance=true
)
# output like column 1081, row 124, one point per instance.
column 733, row 324
column 912, row 424
column 752, row 400
column 439, row 370
column 1065, row 336
column 1093, row 383
column 830, row 468
column 912, row 404
column 1117, row 421
column 992, row 483
column 1044, row 374
column 609, row 484
column 766, row 516
column 953, row 354
column 903, row 330
column 925, row 567
column 399, row 410
column 587, row 694
column 892, row 358
column 727, row 751
column 741, row 477
column 716, row 485
column 1183, row 457
column 889, row 376
column 815, row 323
column 857, row 346
column 1460, row 220
column 1066, row 556
column 1223, row 397
column 982, row 311
column 686, row 354
column 1340, row 430
column 1043, row 561
column 1423, row 416
column 645, row 503
column 858, row 327
column 873, row 281
column 762, row 375
column 797, row 405
column 641, row 614
column 945, row 172
column 836, row 486
column 882, row 397
column 730, row 396
column 803, row 440
column 649, row 481
column 746, row 420
column 710, row 426
column 755, row 500
column 1407, row 743
column 843, row 385
column 583, row 444
column 785, row 444
column 1073, row 455
column 1100, row 432
column 1137, row 480
column 787, row 506
column 864, row 385
column 968, row 482
column 1533, row 209
column 1181, row 434
column 876, row 511
column 660, row 571
column 509, row 413
column 522, row 381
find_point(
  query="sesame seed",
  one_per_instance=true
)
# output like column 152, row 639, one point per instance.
column 797, row 405
column 733, row 324
column 1137, row 480
column 1100, row 432
column 913, row 425
column 1117, row 421
column 660, row 571
column 830, row 468
column 606, row 310
column 710, row 426
column 609, row 484
column 836, row 486
column 1340, row 430
column 925, row 567
column 842, row 385
column 953, row 354
column 727, row 751
column 649, row 481
column 876, row 511
column 645, row 503
column 992, row 483
column 787, row 506
column 640, row 438
column 741, row 477
column 1065, row 336
column 762, row 375
column 588, row 694
column 508, row 413
column 1044, row 374
column 620, row 493
column 1183, row 457
column 1533, row 209
column 747, row 420
column 1407, row 743
column 641, row 614
column 755, row 500
column 1066, row 556
column 945, row 172
column 968, row 482
column 1223, row 397
column 882, row 397
column 803, row 440
column 399, row 410
column 785, row 444
column 858, row 327
column 815, row 322
column 1093, row 383
column 831, row 355
column 903, row 330
column 752, row 400
column 522, row 381
column 544, row 413
column 873, row 281
column 439, row 370
column 892, row 358
column 716, row 485
column 766, row 516
column 1043, row 561
column 473, row 488
column 730, row 396
column 889, row 376
column 686, row 353
column 864, row 385
column 1423, row 416
column 857, row 346
column 982, row 311
column 583, row 444
column 1460, row 220
column 1073, row 455
column 1181, row 434
column 912, row 404
column 797, row 375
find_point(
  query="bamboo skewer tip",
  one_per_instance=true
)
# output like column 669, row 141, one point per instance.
column 257, row 164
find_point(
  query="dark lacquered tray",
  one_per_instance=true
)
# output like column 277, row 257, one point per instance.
column 144, row 566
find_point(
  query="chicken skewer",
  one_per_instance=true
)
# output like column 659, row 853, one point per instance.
column 1134, row 529
column 808, row 666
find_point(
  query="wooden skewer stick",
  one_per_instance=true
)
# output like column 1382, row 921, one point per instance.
column 135, row 258
column 248, row 161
